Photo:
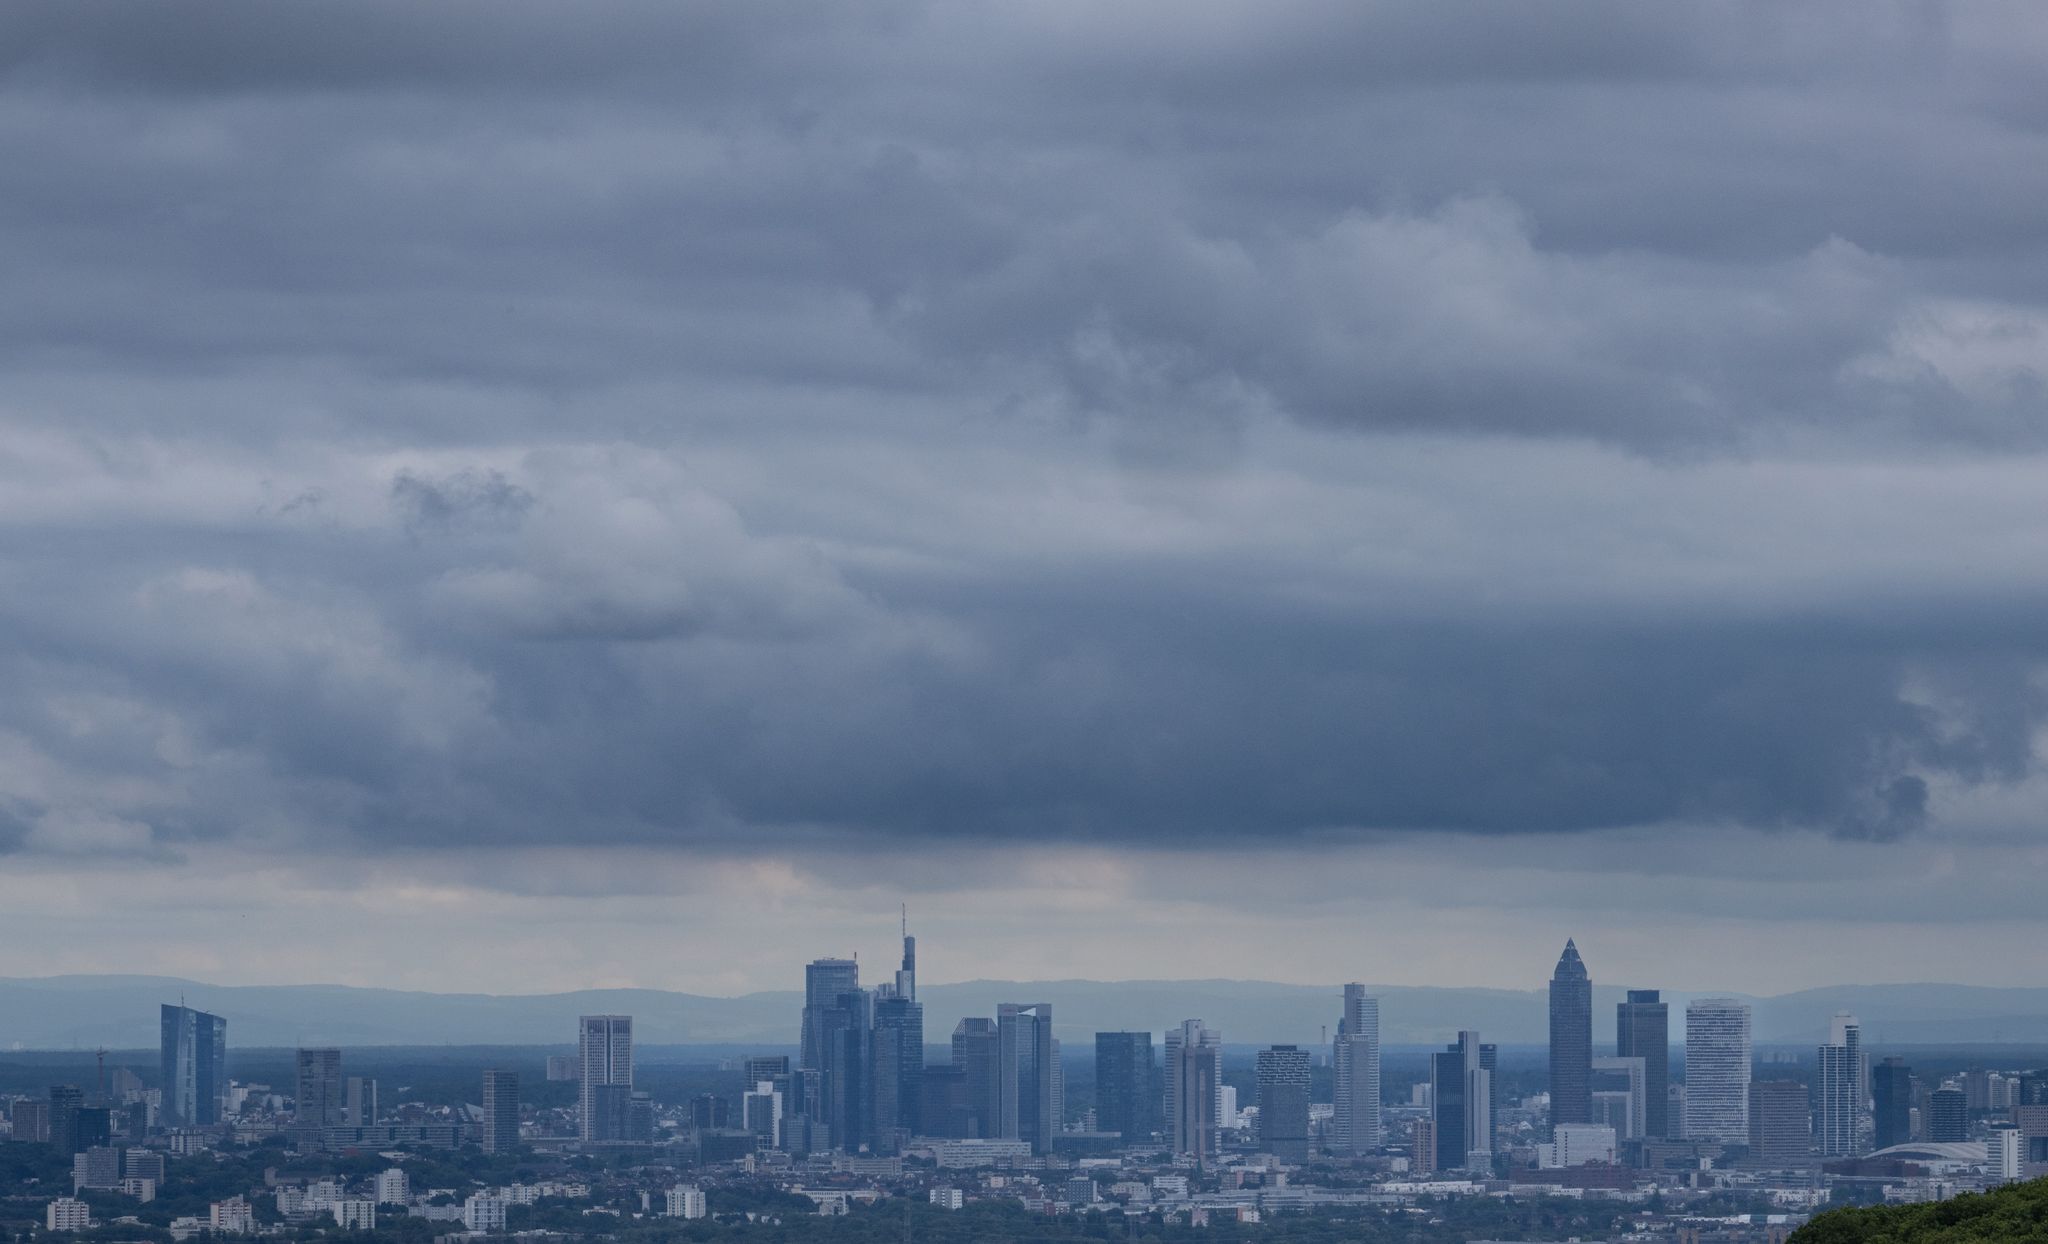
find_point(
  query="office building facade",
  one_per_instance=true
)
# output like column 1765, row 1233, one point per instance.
column 1642, row 1029
column 1717, row 1070
column 1025, row 1074
column 1891, row 1091
column 1355, row 1074
column 1838, row 1089
column 1124, row 1073
column 318, row 1096
column 605, row 1060
column 1194, row 1076
column 1571, row 1039
column 1777, row 1122
column 193, row 1067
column 1283, row 1082
column 501, row 1111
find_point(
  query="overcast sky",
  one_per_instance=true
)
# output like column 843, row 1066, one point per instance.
column 522, row 497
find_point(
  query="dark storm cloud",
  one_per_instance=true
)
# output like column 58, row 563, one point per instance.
column 450, row 424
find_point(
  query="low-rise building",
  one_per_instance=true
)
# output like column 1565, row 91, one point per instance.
column 233, row 1216
column 484, row 1213
column 355, row 1214
column 67, row 1214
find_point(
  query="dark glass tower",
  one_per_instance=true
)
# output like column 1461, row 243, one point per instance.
column 1642, row 1029
column 194, row 1067
column 977, row 1050
column 1283, row 1079
column 1571, row 1040
column 1892, row 1089
column 1123, row 1084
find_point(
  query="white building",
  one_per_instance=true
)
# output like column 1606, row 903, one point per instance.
column 1838, row 1088
column 482, row 1212
column 2004, row 1152
column 231, row 1217
column 962, row 1154
column 393, row 1187
column 355, row 1214
column 948, row 1198
column 1175, row 1186
column 1577, row 1144
column 67, row 1214
column 686, row 1201
column 1717, row 1057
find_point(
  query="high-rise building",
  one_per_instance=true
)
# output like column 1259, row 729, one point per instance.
column 501, row 1111
column 70, row 1129
column 761, row 1113
column 1777, row 1122
column 318, row 1100
column 359, row 1102
column 846, row 1080
column 1355, row 1067
column 1194, row 1076
column 1642, row 1029
column 31, row 1121
column 605, row 1049
column 194, row 1067
column 2005, row 1154
column 1620, row 1099
column 1462, row 1097
column 1123, row 1084
column 898, row 1051
column 977, row 1052
column 1891, row 1083
column 1024, row 1069
column 1423, row 1159
column 1948, row 1116
column 825, row 982
column 1283, row 1080
column 1717, row 1070
column 1571, row 1039
column 1838, row 1089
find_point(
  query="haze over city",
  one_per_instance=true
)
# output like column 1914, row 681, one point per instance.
column 1307, row 492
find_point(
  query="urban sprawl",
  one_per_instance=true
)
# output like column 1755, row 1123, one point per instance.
column 1706, row 1147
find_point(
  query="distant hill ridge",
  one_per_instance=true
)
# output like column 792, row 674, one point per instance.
column 63, row 1012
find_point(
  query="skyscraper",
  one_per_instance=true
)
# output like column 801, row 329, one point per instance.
column 1717, row 1070
column 1355, row 1064
column 847, row 1080
column 898, row 1051
column 1892, row 1092
column 1838, row 1088
column 318, row 1098
column 1024, row 1069
column 1948, row 1116
column 1194, row 1074
column 1462, row 1097
column 1123, row 1084
column 1571, row 1040
column 825, row 982
column 501, row 1111
column 1642, row 1029
column 605, row 1048
column 977, row 1052
column 194, row 1067
column 1283, row 1102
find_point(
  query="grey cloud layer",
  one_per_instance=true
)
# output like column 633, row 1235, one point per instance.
column 658, row 423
